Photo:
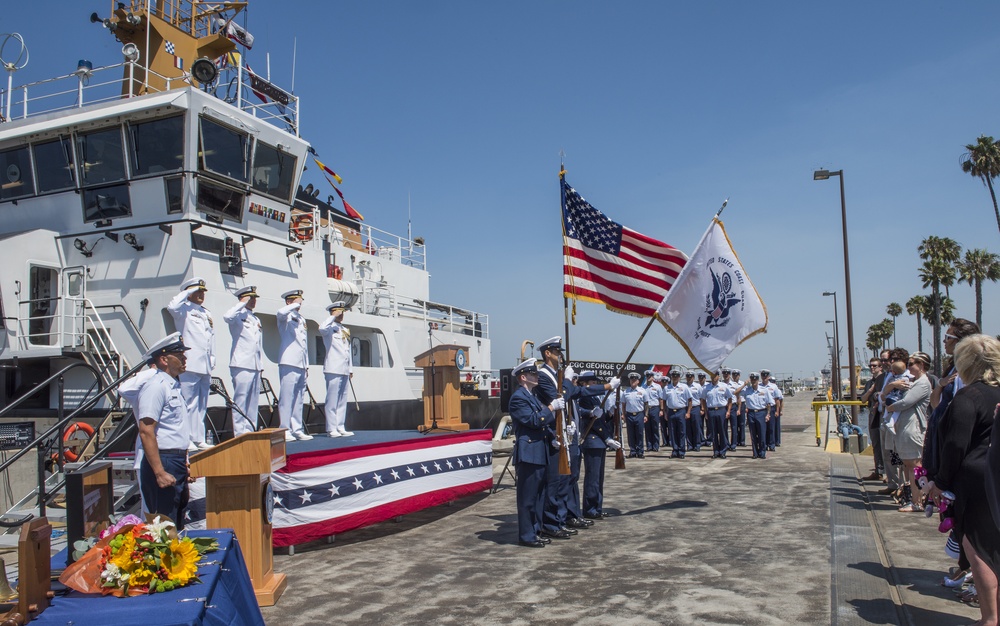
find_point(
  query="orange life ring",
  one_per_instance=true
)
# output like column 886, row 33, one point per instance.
column 337, row 272
column 302, row 227
column 68, row 454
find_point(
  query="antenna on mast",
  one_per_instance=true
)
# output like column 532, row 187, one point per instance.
column 409, row 228
column 295, row 48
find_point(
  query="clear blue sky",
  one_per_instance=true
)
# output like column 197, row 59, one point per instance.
column 663, row 110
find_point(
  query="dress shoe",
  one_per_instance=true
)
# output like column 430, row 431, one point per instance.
column 302, row 435
column 289, row 436
column 556, row 534
column 333, row 433
column 544, row 540
column 586, row 522
column 344, row 432
column 532, row 544
column 577, row 523
column 642, row 456
column 571, row 531
column 631, row 455
column 593, row 517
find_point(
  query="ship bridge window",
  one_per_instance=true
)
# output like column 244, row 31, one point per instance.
column 224, row 151
column 157, row 146
column 54, row 165
column 15, row 174
column 220, row 201
column 273, row 171
column 102, row 158
column 105, row 203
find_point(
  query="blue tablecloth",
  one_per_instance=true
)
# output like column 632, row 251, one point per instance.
column 225, row 596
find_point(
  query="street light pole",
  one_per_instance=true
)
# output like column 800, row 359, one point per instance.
column 852, row 374
column 835, row 361
column 836, row 345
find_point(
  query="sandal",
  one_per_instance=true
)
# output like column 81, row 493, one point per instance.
column 910, row 507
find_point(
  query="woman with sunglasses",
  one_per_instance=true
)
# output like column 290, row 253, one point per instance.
column 908, row 422
column 964, row 439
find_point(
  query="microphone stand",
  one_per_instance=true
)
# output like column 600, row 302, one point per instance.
column 231, row 406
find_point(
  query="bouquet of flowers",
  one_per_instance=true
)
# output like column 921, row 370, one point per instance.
column 134, row 558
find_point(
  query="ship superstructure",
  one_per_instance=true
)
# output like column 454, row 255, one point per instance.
column 119, row 183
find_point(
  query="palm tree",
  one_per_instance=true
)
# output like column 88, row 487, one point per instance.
column 916, row 306
column 894, row 311
column 977, row 266
column 982, row 160
column 934, row 273
column 885, row 332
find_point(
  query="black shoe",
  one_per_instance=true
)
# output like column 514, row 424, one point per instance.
column 556, row 534
column 592, row 517
column 722, row 456
column 532, row 544
column 642, row 456
column 631, row 455
column 545, row 540
column 577, row 523
column 698, row 449
column 770, row 448
column 732, row 448
column 571, row 531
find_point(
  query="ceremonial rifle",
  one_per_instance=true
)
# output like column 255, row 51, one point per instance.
column 619, row 436
column 561, row 434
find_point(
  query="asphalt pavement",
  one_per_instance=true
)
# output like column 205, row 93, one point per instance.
column 796, row 538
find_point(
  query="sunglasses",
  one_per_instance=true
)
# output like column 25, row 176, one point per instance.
column 952, row 337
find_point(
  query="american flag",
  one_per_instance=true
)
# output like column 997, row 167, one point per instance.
column 611, row 264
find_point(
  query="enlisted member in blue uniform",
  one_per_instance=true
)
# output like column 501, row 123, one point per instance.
column 706, row 423
column 717, row 399
column 633, row 407
column 245, row 359
column 677, row 407
column 163, row 430
column 757, row 398
column 652, row 425
column 194, row 323
column 738, row 437
column 532, row 449
column 597, row 436
column 293, row 364
column 695, row 434
column 337, row 369
column 774, row 425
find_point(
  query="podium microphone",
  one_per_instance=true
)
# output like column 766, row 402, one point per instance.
column 215, row 388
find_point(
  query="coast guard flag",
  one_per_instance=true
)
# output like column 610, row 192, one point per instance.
column 611, row 264
column 713, row 307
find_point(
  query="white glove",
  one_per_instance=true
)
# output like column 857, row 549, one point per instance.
column 612, row 444
column 556, row 444
column 598, row 412
column 569, row 373
column 571, row 429
column 615, row 383
column 557, row 405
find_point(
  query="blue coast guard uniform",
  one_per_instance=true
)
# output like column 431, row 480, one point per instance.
column 337, row 369
column 160, row 403
column 633, row 406
column 293, row 361
column 194, row 322
column 532, row 446
column 652, row 426
column 245, row 361
column 717, row 398
column 597, row 439
column 677, row 405
column 695, row 433
column 706, row 423
column 774, row 425
column 757, row 399
column 739, row 422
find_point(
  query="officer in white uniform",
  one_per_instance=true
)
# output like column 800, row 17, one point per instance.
column 337, row 369
column 245, row 360
column 163, row 429
column 194, row 323
column 293, row 363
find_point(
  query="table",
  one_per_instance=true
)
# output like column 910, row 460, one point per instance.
column 225, row 596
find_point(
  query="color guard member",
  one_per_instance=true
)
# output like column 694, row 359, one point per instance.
column 597, row 439
column 194, row 323
column 293, row 365
column 532, row 446
column 245, row 359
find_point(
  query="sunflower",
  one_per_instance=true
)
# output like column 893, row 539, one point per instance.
column 140, row 578
column 122, row 557
column 180, row 560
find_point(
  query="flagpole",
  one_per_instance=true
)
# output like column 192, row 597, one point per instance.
column 722, row 208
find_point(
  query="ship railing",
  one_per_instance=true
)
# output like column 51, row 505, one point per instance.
column 310, row 226
column 99, row 342
column 376, row 297
column 446, row 318
column 389, row 247
column 88, row 86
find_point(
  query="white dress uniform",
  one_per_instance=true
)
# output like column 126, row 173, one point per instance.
column 293, row 361
column 194, row 322
column 337, row 370
column 245, row 362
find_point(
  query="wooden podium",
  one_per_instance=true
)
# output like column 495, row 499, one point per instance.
column 238, row 496
column 442, row 394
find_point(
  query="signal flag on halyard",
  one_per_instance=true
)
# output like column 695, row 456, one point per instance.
column 713, row 307
column 611, row 264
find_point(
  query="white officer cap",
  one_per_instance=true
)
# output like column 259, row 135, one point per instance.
column 294, row 293
column 550, row 343
column 634, row 375
column 195, row 282
column 735, row 372
column 726, row 370
column 587, row 375
column 649, row 373
column 701, row 375
column 337, row 306
column 526, row 367
column 689, row 374
column 170, row 343
column 249, row 290
column 754, row 375
column 765, row 372
column 657, row 377
column 675, row 371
